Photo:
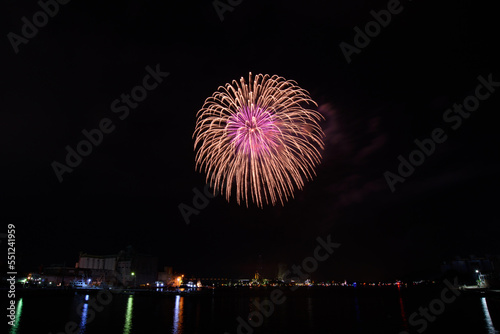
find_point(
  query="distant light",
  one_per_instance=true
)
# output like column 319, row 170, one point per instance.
column 86, row 297
column 133, row 274
column 477, row 271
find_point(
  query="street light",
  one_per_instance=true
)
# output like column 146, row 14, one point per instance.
column 135, row 279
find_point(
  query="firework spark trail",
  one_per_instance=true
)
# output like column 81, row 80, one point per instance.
column 258, row 136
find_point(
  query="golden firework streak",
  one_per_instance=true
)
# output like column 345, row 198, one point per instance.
column 259, row 138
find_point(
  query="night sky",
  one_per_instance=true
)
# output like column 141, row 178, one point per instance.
column 127, row 191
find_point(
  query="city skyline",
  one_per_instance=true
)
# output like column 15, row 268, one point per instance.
column 96, row 265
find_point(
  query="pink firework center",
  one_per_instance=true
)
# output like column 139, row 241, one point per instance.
column 253, row 131
column 258, row 140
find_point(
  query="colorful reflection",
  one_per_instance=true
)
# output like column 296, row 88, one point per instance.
column 19, row 309
column 178, row 315
column 402, row 307
column 487, row 317
column 83, row 322
column 128, row 315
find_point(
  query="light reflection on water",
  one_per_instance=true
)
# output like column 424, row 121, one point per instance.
column 83, row 321
column 35, row 309
column 487, row 317
column 402, row 308
column 178, row 315
column 128, row 315
column 19, row 309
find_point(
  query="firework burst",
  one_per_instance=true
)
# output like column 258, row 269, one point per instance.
column 259, row 138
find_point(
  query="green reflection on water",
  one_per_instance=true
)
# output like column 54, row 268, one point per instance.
column 19, row 308
column 128, row 315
